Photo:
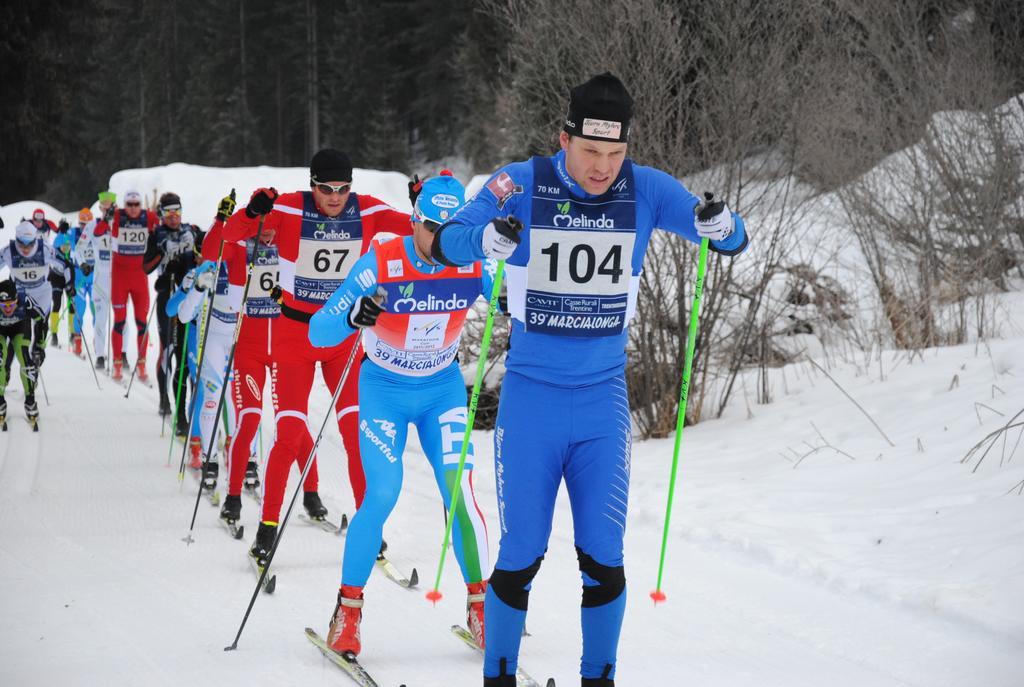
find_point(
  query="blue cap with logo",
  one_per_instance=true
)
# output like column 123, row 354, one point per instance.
column 439, row 199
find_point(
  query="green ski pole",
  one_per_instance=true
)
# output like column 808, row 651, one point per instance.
column 434, row 594
column 182, row 364
column 684, row 391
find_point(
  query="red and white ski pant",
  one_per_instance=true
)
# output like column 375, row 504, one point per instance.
column 293, row 362
column 125, row 281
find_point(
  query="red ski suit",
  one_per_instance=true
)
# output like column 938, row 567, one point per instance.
column 127, row 278
column 315, row 253
column 252, row 360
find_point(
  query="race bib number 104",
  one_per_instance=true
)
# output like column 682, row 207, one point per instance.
column 578, row 282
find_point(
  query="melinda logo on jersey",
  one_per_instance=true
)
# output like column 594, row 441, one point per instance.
column 431, row 304
column 567, row 221
column 449, row 300
column 322, row 233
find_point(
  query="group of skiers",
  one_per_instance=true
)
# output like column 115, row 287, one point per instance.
column 378, row 297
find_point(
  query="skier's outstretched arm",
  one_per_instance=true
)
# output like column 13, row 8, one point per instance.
column 331, row 325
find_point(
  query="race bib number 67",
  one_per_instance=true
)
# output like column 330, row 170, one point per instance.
column 578, row 282
column 322, row 266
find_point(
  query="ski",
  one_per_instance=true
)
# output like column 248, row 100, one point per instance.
column 254, row 492
column 393, row 574
column 346, row 662
column 234, row 529
column 325, row 524
column 213, row 496
column 523, row 679
column 270, row 581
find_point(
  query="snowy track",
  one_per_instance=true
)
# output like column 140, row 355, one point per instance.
column 94, row 571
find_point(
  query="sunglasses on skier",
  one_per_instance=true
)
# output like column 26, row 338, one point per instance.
column 133, row 205
column 8, row 307
column 328, row 189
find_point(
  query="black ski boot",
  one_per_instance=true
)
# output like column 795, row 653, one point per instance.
column 165, row 406
column 3, row 414
column 32, row 412
column 314, row 506
column 210, row 471
column 181, row 428
column 264, row 543
column 231, row 511
column 101, row 363
column 252, row 475
column 503, row 680
column 603, row 681
column 53, row 341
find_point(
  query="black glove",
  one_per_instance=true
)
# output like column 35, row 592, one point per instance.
column 364, row 312
column 226, row 207
column 38, row 356
column 415, row 186
column 63, row 226
column 262, row 202
column 86, row 269
column 108, row 214
column 70, row 291
column 276, row 294
column 503, row 303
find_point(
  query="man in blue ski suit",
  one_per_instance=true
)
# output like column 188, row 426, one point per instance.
column 573, row 276
column 410, row 375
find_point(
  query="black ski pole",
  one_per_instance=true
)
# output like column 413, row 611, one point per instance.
column 199, row 372
column 298, row 488
column 227, row 370
column 141, row 355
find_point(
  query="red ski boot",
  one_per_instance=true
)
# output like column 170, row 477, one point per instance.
column 343, row 634
column 115, row 373
column 76, row 344
column 140, row 371
column 475, row 610
column 195, row 448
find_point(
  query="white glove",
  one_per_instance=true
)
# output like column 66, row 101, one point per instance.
column 206, row 280
column 714, row 220
column 188, row 280
column 501, row 236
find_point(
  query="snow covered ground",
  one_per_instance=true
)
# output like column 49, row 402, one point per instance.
column 898, row 566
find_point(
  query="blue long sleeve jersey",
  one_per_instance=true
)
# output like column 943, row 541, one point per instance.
column 329, row 326
column 639, row 200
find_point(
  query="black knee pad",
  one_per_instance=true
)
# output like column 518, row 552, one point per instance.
column 511, row 585
column 140, row 327
column 119, row 327
column 610, row 581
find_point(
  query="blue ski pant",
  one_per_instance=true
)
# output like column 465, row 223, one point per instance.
column 436, row 405
column 83, row 290
column 544, row 434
